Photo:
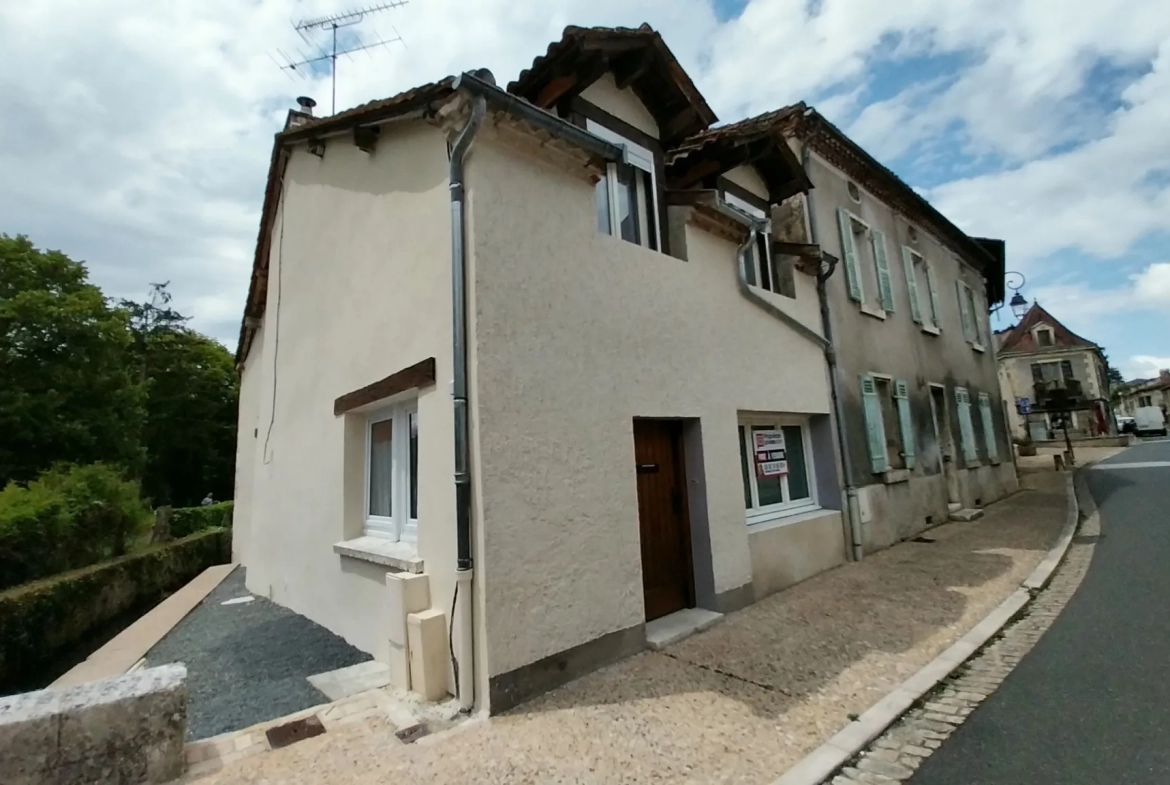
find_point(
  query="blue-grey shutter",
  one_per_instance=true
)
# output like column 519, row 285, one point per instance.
column 988, row 427
column 964, row 310
column 911, row 284
column 902, row 394
column 849, row 255
column 933, row 296
column 885, row 283
column 875, row 430
column 966, row 429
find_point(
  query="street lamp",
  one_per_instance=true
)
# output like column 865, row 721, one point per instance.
column 1018, row 303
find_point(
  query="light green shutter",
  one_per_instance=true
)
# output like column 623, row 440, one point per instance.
column 933, row 296
column 875, row 431
column 966, row 430
column 911, row 285
column 885, row 283
column 901, row 392
column 988, row 427
column 964, row 309
column 849, row 255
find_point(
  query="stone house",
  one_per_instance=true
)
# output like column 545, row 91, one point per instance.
column 1145, row 392
column 527, row 374
column 1040, row 355
column 918, row 397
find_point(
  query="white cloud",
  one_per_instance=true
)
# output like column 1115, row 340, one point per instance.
column 1143, row 366
column 1152, row 286
column 136, row 134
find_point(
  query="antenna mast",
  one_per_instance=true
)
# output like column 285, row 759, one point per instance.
column 332, row 23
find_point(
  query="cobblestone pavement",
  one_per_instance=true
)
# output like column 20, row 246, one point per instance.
column 739, row 703
column 895, row 755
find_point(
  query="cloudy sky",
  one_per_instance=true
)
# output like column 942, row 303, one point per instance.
column 135, row 134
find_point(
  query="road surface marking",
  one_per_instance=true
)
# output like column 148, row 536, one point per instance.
column 1137, row 465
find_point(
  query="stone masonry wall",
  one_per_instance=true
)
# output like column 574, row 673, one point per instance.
column 124, row 730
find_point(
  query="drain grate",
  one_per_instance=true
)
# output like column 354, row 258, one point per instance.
column 292, row 732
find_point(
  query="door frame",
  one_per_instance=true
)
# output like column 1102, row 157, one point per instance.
column 676, row 427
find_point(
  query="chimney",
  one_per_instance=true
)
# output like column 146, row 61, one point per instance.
column 1164, row 375
column 306, row 103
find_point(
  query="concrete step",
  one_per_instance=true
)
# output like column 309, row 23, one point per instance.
column 660, row 633
column 954, row 506
column 964, row 516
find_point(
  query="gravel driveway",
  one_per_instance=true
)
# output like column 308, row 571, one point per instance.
column 248, row 662
column 741, row 702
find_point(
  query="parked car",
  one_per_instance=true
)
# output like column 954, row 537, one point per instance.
column 1126, row 424
column 1149, row 420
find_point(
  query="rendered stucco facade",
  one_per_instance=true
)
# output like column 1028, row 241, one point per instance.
column 359, row 288
column 900, row 503
column 576, row 334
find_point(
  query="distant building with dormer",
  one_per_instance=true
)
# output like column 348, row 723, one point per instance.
column 1045, row 367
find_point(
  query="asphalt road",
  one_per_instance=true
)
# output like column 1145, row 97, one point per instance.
column 1090, row 704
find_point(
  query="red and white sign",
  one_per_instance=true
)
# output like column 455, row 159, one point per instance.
column 771, row 456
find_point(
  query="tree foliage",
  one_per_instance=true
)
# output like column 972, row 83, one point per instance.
column 68, row 390
column 83, row 380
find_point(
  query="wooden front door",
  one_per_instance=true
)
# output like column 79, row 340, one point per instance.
column 667, row 577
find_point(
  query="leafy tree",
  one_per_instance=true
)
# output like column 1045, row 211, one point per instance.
column 68, row 389
column 189, row 432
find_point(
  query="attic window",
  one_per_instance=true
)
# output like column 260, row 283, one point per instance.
column 1044, row 336
column 854, row 192
column 627, row 194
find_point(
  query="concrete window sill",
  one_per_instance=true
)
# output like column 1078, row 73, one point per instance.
column 973, row 464
column 978, row 347
column 399, row 555
column 894, row 476
column 801, row 516
column 931, row 329
column 874, row 312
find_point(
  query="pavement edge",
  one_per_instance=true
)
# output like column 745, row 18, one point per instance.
column 847, row 743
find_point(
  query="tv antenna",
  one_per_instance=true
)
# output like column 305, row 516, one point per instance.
column 332, row 24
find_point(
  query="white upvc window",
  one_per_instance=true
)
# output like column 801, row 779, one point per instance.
column 392, row 473
column 775, row 457
column 757, row 260
column 627, row 195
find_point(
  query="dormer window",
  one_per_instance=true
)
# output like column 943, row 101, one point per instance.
column 1044, row 336
column 759, row 266
column 627, row 194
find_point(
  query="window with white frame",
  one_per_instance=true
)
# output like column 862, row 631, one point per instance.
column 775, row 460
column 759, row 268
column 863, row 249
column 969, row 314
column 392, row 473
column 627, row 194
column 921, row 288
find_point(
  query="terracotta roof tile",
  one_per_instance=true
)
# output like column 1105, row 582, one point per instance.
column 757, row 126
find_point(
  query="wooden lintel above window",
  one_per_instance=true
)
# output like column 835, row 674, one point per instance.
column 421, row 374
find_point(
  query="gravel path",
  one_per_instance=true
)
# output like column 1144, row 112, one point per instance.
column 741, row 702
column 249, row 662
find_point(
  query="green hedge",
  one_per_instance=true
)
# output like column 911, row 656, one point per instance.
column 70, row 516
column 39, row 619
column 188, row 520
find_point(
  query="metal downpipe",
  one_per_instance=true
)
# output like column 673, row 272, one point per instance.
column 852, row 508
column 461, row 644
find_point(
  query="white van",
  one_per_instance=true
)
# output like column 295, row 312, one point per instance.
column 1149, row 420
